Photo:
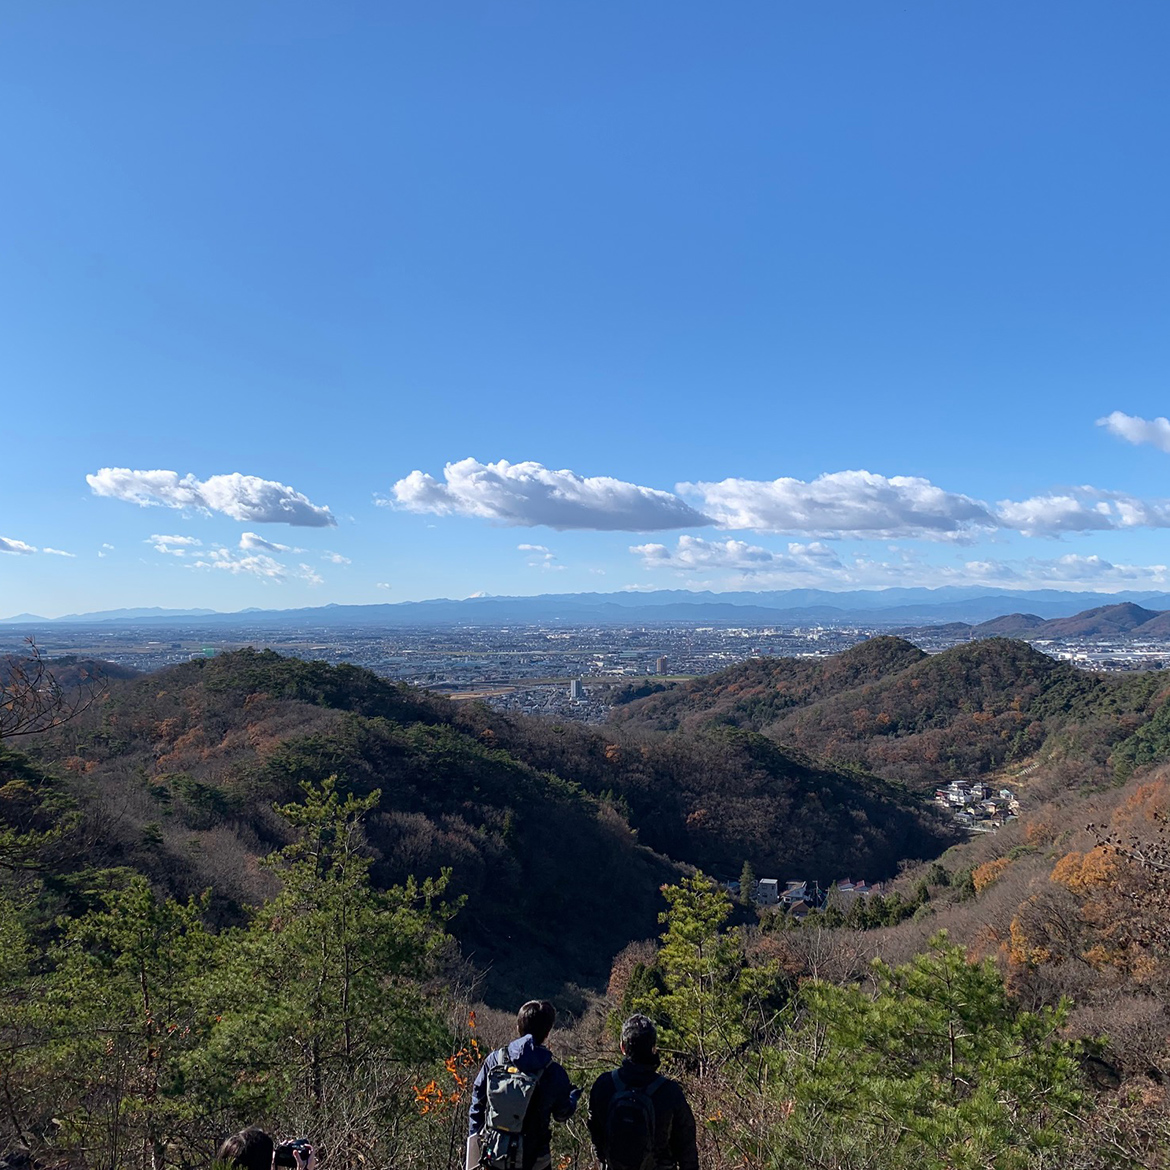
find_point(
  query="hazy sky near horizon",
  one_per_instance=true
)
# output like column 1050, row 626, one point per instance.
column 308, row 302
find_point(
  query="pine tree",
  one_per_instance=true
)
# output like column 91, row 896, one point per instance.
column 712, row 1000
column 747, row 884
column 938, row 1069
column 324, row 998
column 121, row 1019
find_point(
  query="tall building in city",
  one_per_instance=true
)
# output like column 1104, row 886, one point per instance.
column 660, row 665
column 576, row 690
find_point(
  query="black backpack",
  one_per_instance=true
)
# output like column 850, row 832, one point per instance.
column 629, row 1126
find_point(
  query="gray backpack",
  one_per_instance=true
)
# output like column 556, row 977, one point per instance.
column 509, row 1094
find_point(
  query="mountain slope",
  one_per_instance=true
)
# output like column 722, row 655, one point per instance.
column 1104, row 621
column 924, row 721
column 1011, row 625
column 755, row 693
column 176, row 776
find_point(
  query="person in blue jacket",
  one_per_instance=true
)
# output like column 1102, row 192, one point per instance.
column 554, row 1099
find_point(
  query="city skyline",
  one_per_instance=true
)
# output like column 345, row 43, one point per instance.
column 377, row 304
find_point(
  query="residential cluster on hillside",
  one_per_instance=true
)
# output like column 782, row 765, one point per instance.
column 801, row 897
column 978, row 806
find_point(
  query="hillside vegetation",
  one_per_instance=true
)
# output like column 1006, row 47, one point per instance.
column 887, row 708
column 176, row 774
column 254, row 889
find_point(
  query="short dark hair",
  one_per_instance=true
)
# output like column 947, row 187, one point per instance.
column 536, row 1019
column 250, row 1149
column 639, row 1037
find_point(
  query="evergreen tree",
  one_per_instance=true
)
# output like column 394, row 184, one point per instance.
column 937, row 1070
column 121, row 1020
column 712, row 1000
column 324, row 992
column 747, row 884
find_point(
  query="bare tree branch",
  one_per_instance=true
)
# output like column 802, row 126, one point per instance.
column 33, row 700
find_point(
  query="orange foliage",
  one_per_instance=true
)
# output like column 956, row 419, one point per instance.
column 989, row 872
column 1083, row 873
column 1149, row 804
column 461, row 1067
column 1038, row 832
column 1021, row 952
column 166, row 730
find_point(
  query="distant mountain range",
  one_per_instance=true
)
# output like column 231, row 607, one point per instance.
column 887, row 607
column 150, row 613
column 1104, row 621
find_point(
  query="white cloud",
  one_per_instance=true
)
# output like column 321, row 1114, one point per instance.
column 18, row 547
column 529, row 494
column 542, row 557
column 1082, row 509
column 254, row 542
column 735, row 564
column 385, row 585
column 1134, row 429
column 844, row 504
column 175, row 546
column 1072, row 572
column 308, row 573
column 242, row 497
column 693, row 554
column 335, row 558
column 252, row 564
column 58, row 552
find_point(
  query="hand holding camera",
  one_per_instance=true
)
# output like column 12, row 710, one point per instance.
column 295, row 1154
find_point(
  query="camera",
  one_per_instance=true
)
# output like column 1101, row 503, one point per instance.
column 285, row 1153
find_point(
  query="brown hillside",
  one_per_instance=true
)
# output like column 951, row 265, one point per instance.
column 1011, row 625
column 756, row 693
column 1102, row 622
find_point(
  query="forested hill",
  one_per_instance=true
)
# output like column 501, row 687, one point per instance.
column 886, row 707
column 757, row 692
column 175, row 775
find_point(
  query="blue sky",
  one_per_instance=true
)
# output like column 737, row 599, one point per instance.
column 304, row 303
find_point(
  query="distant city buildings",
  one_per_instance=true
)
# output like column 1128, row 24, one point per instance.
column 577, row 690
column 524, row 668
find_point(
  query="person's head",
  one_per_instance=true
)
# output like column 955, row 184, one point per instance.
column 250, row 1149
column 639, row 1038
column 536, row 1019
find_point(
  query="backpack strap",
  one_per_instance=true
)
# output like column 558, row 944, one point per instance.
column 502, row 1057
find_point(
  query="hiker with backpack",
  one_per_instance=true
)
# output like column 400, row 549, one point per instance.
column 519, row 1091
column 638, row 1119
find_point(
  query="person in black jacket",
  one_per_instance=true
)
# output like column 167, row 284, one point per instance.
column 674, row 1123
